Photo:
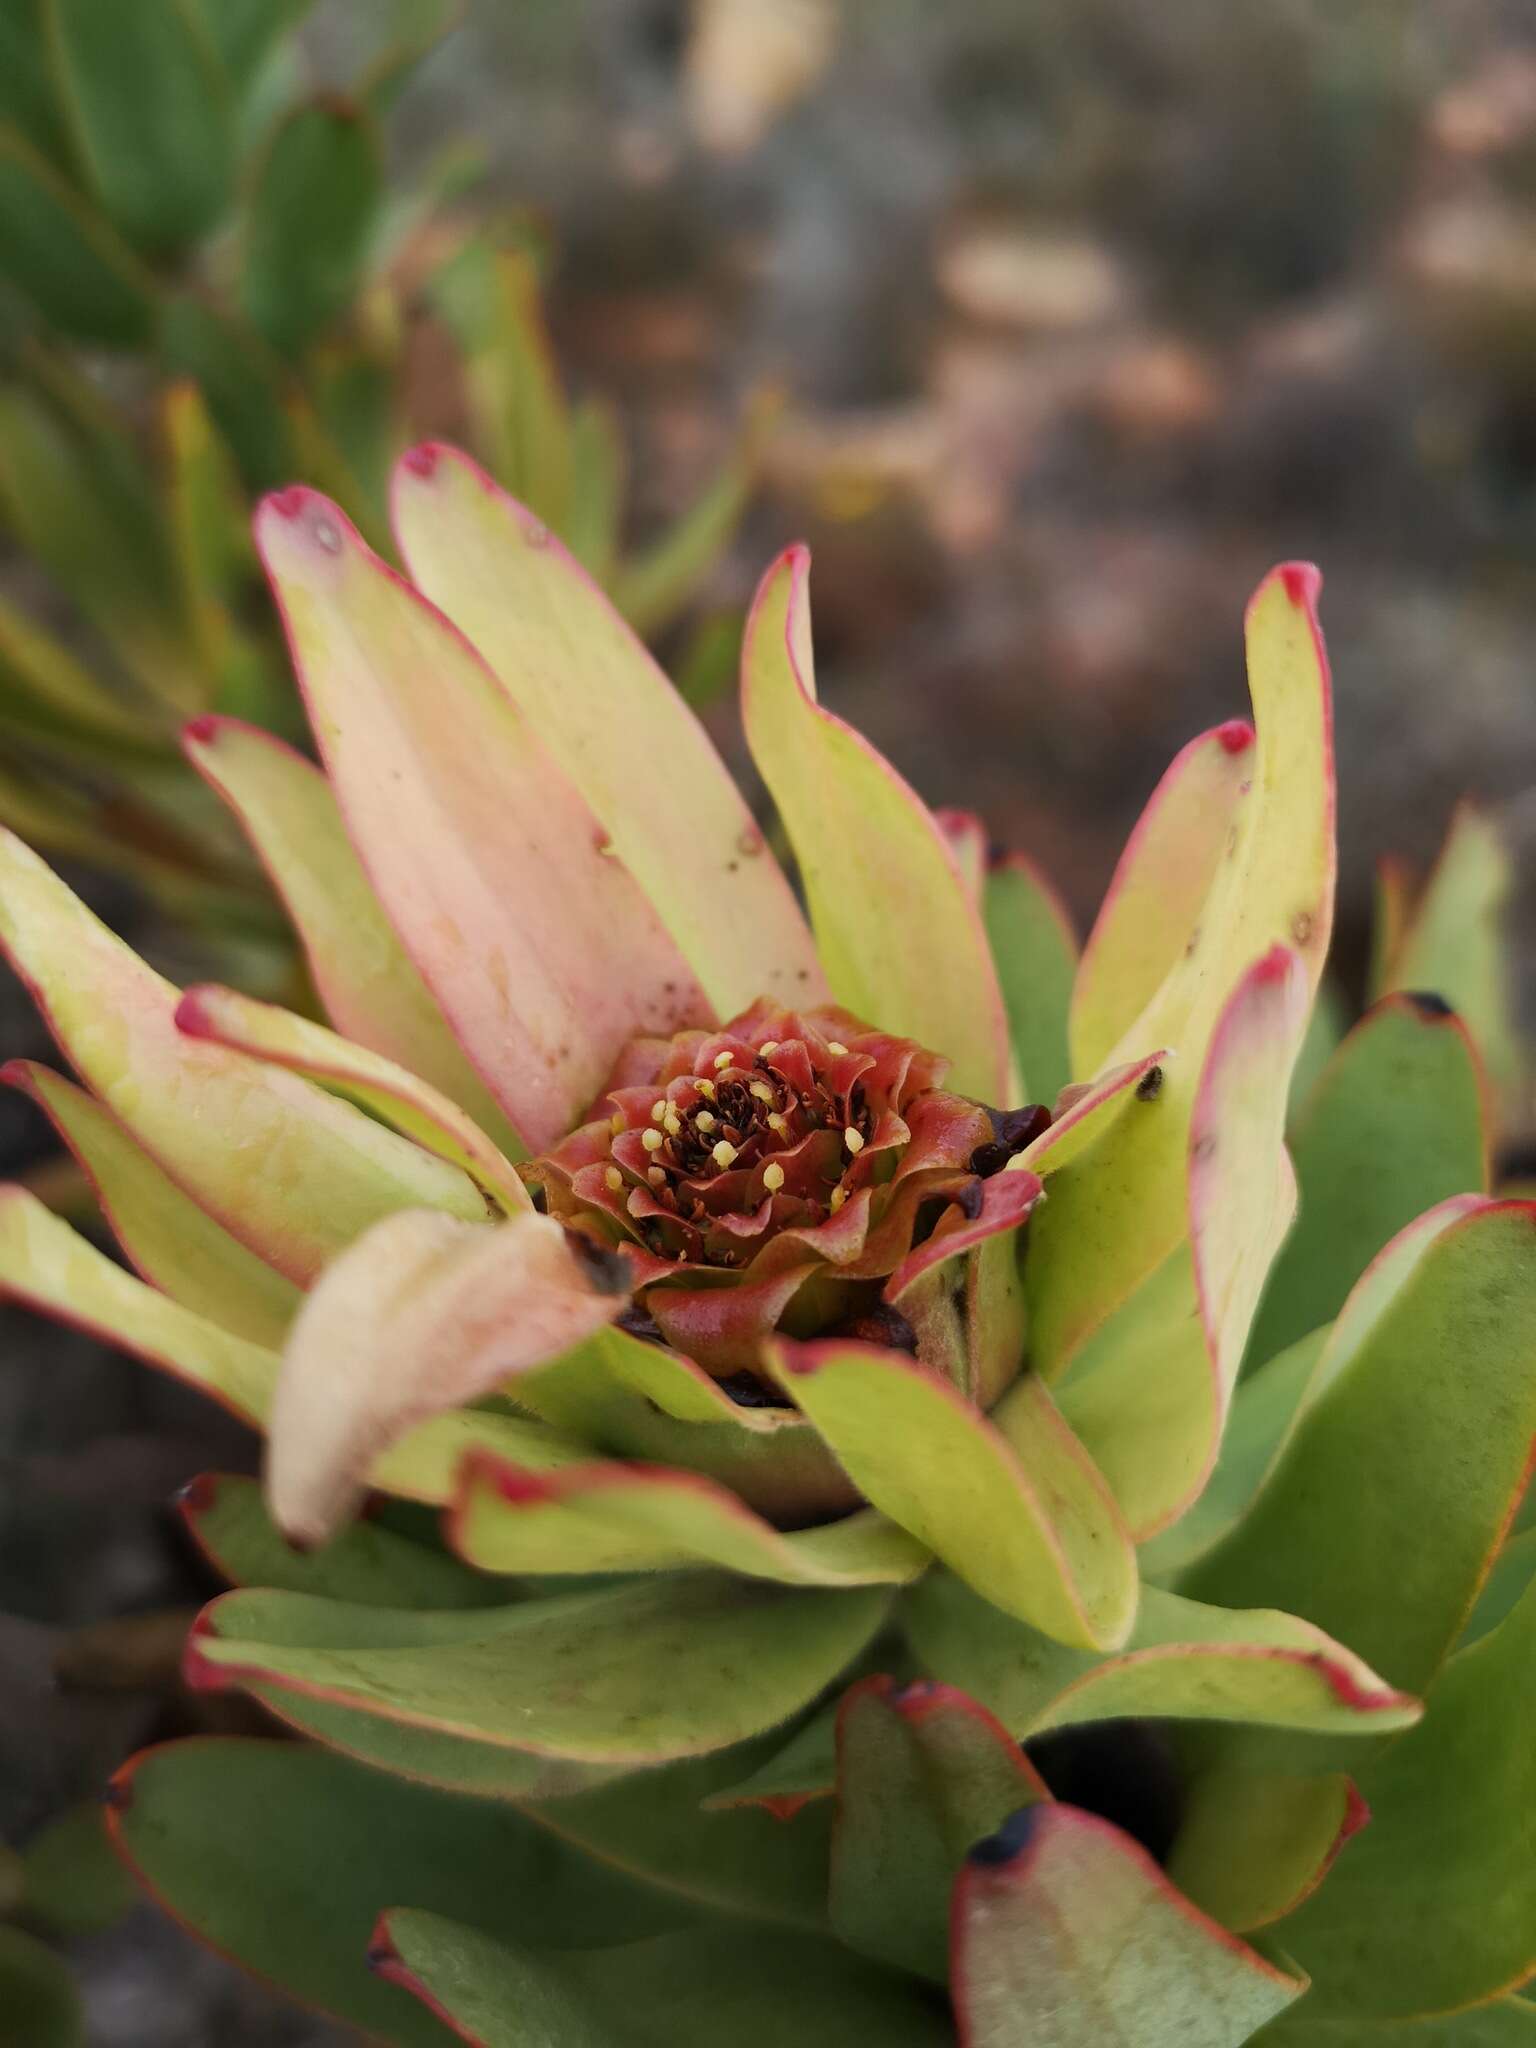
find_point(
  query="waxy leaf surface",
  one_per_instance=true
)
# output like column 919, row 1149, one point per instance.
column 1011, row 1503
column 900, row 936
column 1057, row 1886
column 1034, row 950
column 614, row 724
column 367, row 981
column 291, row 1172
column 643, row 1672
column 534, row 938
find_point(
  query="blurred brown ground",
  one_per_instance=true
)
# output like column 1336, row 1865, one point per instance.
column 1084, row 312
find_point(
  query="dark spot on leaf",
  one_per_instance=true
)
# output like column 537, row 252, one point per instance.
column 1301, row 927
column 1010, row 1840
column 1427, row 1003
column 1150, row 1086
column 748, row 1391
column 878, row 1324
column 970, row 1199
column 607, row 1269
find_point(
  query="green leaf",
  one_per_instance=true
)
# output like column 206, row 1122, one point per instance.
column 1455, row 945
column 898, row 932
column 287, row 1169
column 1511, row 1574
column 37, row 1994
column 1151, row 1393
column 703, row 1986
column 1427, row 1426
column 1035, row 952
column 76, row 495
column 1158, row 888
column 1263, row 1409
column 72, row 1882
column 1119, row 1215
column 1507, row 2023
column 70, row 264
column 1184, row 1661
column 1011, row 1502
column 50, row 697
column 241, row 382
column 596, row 508
column 740, row 1860
column 538, row 619
column 28, row 100
column 367, row 982
column 283, row 1857
column 175, row 1244
column 1253, row 1844
column 1056, row 1888
column 641, row 1672
column 366, row 1564
column 623, row 1517
column 1325, row 1028
column 310, row 221
column 244, row 32
column 796, row 1772
column 1394, row 1125
column 923, row 1774
column 150, row 111
column 1435, row 1905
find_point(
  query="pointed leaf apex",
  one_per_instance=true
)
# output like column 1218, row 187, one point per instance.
column 1303, row 583
column 201, row 731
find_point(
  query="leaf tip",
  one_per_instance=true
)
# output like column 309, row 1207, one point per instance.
column 1302, row 583
column 1235, row 737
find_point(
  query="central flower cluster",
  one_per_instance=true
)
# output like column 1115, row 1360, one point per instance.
column 769, row 1174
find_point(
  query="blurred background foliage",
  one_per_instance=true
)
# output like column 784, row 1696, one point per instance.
column 1050, row 323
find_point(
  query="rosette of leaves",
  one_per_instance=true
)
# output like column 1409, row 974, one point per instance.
column 852, row 1552
column 209, row 284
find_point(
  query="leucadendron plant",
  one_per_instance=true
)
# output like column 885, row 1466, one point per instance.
column 822, row 1484
column 209, row 283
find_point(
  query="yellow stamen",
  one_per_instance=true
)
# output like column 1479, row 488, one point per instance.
column 705, row 1121
column 767, row 1051
column 778, row 1123
column 853, row 1139
column 839, row 1196
column 652, row 1140
column 762, row 1091
column 836, row 1049
column 658, row 1111
column 616, row 1122
column 722, row 1061
column 773, row 1178
column 707, row 1090
column 672, row 1124
column 724, row 1153
column 657, row 1176
column 614, row 1178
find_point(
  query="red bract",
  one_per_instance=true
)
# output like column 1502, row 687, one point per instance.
column 777, row 1173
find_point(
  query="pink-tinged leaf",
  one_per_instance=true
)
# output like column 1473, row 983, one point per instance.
column 1067, row 1935
column 1158, row 889
column 411, row 1105
column 1002, row 1203
column 627, row 1518
column 923, row 1773
column 1011, row 1503
column 612, row 722
column 287, row 1169
column 170, row 1240
column 48, row 1267
column 1090, row 1109
column 423, row 1315
column 366, row 979
column 1119, row 1214
column 1151, row 1398
column 899, row 932
column 534, row 938
column 1252, row 1845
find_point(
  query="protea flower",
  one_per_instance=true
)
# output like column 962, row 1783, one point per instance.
column 812, row 1412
